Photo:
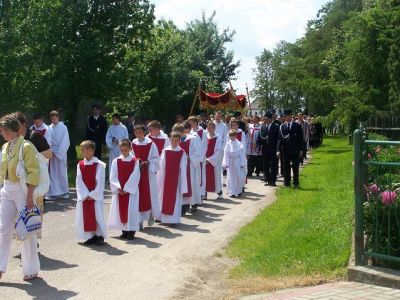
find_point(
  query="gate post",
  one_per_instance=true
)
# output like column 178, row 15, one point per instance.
column 358, row 193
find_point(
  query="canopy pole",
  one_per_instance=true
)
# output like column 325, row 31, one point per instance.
column 248, row 99
column 194, row 100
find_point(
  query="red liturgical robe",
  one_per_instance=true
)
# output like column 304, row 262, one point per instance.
column 125, row 169
column 210, row 172
column 186, row 147
column 160, row 143
column 142, row 153
column 89, row 212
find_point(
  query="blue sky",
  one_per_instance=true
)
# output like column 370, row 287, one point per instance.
column 258, row 24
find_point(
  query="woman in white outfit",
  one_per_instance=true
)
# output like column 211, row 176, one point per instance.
column 13, row 197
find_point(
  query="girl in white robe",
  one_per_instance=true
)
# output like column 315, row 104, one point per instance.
column 213, row 161
column 115, row 133
column 85, row 193
column 116, row 219
column 148, row 211
column 172, row 214
column 236, row 164
column 59, row 187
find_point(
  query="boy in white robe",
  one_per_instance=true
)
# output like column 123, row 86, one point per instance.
column 59, row 187
column 41, row 127
column 172, row 181
column 146, row 152
column 191, row 145
column 124, row 184
column 116, row 132
column 213, row 161
column 158, row 136
column 90, row 177
column 236, row 164
column 196, row 130
column 240, row 134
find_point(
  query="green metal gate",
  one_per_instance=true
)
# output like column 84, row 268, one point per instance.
column 377, row 211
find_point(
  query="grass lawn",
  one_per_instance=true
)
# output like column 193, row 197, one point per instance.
column 307, row 232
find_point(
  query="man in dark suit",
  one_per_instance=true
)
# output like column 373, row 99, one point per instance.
column 291, row 144
column 96, row 129
column 130, row 124
column 268, row 140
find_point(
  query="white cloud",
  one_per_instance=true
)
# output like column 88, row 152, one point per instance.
column 258, row 24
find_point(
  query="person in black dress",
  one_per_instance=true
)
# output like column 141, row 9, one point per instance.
column 291, row 145
column 96, row 129
column 268, row 140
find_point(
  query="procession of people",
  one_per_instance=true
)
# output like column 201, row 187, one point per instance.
column 153, row 177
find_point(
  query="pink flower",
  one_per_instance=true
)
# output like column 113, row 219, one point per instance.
column 388, row 197
column 369, row 156
column 374, row 188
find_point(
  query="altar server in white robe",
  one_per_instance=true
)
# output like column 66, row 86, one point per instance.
column 172, row 181
column 146, row 151
column 124, row 183
column 197, row 130
column 40, row 126
column 240, row 135
column 90, row 177
column 116, row 132
column 158, row 136
column 213, row 161
column 59, row 145
column 236, row 164
column 191, row 145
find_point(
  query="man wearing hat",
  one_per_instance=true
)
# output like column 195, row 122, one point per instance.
column 268, row 140
column 96, row 129
column 291, row 146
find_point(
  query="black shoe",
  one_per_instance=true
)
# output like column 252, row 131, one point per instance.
column 90, row 241
column 123, row 235
column 185, row 208
column 257, row 174
column 233, row 196
column 130, row 235
column 263, row 179
column 272, row 184
column 157, row 221
column 99, row 241
column 193, row 208
column 240, row 195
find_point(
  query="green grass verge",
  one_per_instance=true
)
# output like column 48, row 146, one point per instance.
column 307, row 231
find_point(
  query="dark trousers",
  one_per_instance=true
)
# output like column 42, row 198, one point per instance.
column 270, row 168
column 254, row 163
column 282, row 166
column 291, row 162
column 98, row 151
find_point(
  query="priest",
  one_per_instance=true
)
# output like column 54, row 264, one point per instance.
column 116, row 132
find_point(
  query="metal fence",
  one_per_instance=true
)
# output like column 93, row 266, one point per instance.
column 377, row 211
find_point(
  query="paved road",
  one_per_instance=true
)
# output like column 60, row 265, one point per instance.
column 333, row 291
column 156, row 265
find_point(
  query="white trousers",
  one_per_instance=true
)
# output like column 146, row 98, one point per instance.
column 12, row 199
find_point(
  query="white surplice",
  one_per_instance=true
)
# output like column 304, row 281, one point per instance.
column 97, row 194
column 114, row 134
column 236, row 164
column 131, row 187
column 58, row 163
column 215, row 160
column 162, row 136
column 195, row 157
column 252, row 148
column 243, row 140
column 203, row 147
column 153, row 168
column 175, row 218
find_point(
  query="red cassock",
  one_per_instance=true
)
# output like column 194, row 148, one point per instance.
column 239, row 136
column 89, row 212
column 142, row 153
column 171, row 180
column 210, row 173
column 200, row 133
column 159, row 143
column 125, row 169
column 186, row 147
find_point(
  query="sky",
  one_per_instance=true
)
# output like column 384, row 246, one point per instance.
column 259, row 24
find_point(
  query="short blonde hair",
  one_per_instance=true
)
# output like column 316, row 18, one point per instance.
column 232, row 132
column 125, row 143
column 88, row 145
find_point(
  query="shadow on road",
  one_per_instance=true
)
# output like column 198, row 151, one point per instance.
column 214, row 206
column 39, row 289
column 160, row 232
column 193, row 228
column 107, row 249
column 50, row 264
column 204, row 216
column 227, row 201
column 252, row 196
column 144, row 242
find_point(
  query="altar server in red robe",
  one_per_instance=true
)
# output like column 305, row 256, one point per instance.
column 147, row 153
column 240, row 134
column 191, row 144
column 124, row 184
column 157, row 136
column 172, row 180
column 213, row 161
column 90, row 177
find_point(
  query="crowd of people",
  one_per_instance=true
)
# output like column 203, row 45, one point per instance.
column 153, row 177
